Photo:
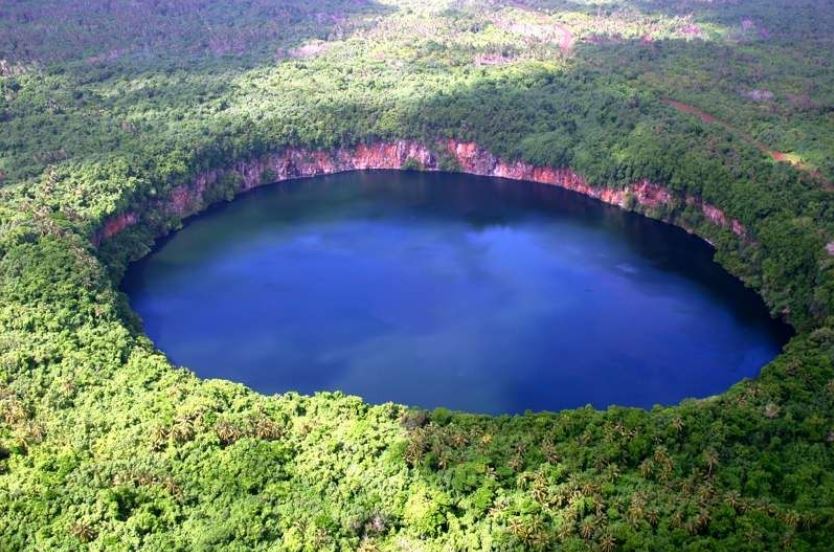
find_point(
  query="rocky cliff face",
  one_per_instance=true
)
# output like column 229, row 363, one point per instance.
column 188, row 199
column 116, row 224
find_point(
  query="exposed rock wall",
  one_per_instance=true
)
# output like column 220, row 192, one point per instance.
column 188, row 199
column 116, row 224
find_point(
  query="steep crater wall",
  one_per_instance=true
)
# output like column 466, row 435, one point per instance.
column 451, row 155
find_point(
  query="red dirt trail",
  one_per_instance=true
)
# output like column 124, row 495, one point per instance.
column 773, row 154
column 567, row 40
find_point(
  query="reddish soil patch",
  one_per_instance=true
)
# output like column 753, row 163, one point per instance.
column 691, row 109
column 567, row 40
column 775, row 155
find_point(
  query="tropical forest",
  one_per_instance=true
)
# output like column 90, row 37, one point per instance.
column 418, row 275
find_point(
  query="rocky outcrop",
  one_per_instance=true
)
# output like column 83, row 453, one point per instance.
column 718, row 217
column 470, row 158
column 474, row 160
column 116, row 224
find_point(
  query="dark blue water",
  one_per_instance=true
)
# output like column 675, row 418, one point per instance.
column 448, row 290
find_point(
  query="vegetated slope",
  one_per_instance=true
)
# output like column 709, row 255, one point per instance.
column 104, row 445
column 776, row 155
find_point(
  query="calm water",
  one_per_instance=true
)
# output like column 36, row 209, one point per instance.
column 448, row 290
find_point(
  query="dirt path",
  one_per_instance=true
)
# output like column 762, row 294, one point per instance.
column 773, row 154
column 567, row 40
column 686, row 108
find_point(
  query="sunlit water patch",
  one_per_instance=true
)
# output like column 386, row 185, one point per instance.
column 448, row 290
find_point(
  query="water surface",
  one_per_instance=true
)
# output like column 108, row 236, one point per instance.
column 472, row 293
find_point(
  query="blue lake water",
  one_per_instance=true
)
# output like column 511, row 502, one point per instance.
column 431, row 290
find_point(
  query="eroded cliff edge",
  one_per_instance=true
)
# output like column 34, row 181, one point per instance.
column 450, row 155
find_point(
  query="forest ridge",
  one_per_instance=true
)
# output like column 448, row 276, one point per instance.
column 107, row 107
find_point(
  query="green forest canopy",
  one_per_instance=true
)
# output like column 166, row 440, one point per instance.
column 106, row 106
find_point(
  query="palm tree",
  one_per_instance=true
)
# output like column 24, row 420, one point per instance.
column 711, row 459
column 607, row 543
column 159, row 438
column 540, row 489
column 792, row 518
column 653, row 516
column 266, row 429
column 83, row 531
column 733, row 500
column 459, row 439
column 227, row 432
column 636, row 510
column 182, row 430
column 677, row 423
column 549, row 451
column 586, row 529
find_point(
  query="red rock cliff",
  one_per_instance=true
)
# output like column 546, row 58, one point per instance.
column 290, row 163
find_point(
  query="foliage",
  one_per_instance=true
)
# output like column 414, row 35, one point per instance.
column 105, row 107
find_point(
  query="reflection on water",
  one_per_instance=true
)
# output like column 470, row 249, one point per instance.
column 448, row 290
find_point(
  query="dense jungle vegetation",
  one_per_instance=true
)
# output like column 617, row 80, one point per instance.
column 106, row 105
